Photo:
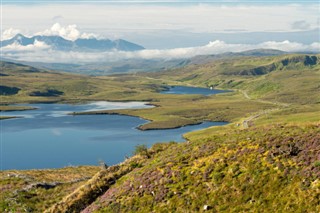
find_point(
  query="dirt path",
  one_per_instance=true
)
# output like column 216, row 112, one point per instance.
column 248, row 121
column 245, row 94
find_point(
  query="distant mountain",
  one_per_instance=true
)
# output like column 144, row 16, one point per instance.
column 81, row 44
column 108, row 67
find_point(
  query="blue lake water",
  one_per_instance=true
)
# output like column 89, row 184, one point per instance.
column 50, row 138
column 183, row 90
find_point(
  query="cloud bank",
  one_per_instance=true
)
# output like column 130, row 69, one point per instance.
column 9, row 33
column 152, row 25
column 35, row 47
column 69, row 32
column 43, row 53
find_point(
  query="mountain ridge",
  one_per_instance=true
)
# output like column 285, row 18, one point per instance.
column 80, row 44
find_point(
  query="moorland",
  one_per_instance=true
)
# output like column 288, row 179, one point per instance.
column 265, row 160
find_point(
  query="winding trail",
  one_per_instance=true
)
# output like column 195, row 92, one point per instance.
column 248, row 121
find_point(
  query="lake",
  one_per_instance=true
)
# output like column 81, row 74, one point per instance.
column 183, row 90
column 50, row 138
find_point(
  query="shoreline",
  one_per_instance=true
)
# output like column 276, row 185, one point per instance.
column 8, row 117
column 107, row 112
column 140, row 127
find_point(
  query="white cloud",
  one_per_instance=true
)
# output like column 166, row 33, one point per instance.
column 217, row 47
column 90, row 35
column 287, row 46
column 36, row 46
column 9, row 33
column 41, row 52
column 315, row 46
column 69, row 32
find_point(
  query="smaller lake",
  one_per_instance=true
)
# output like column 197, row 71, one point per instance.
column 50, row 138
column 183, row 90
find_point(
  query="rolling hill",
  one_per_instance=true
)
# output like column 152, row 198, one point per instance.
column 110, row 67
column 265, row 160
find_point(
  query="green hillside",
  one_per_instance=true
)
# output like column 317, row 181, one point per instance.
column 265, row 169
column 265, row 160
column 287, row 78
column 175, row 110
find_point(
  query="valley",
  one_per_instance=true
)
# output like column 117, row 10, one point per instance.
column 269, row 149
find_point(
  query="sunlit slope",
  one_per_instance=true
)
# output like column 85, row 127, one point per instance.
column 265, row 169
column 286, row 78
column 22, row 83
column 266, row 161
column 270, row 85
column 172, row 110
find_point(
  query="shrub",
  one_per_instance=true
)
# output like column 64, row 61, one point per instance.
column 141, row 149
column 135, row 165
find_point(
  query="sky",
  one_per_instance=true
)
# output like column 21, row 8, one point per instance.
column 165, row 25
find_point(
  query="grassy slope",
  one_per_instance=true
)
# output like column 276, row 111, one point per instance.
column 33, row 190
column 172, row 111
column 271, row 166
column 268, row 168
column 294, row 82
column 265, row 169
column 293, row 88
column 71, row 88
